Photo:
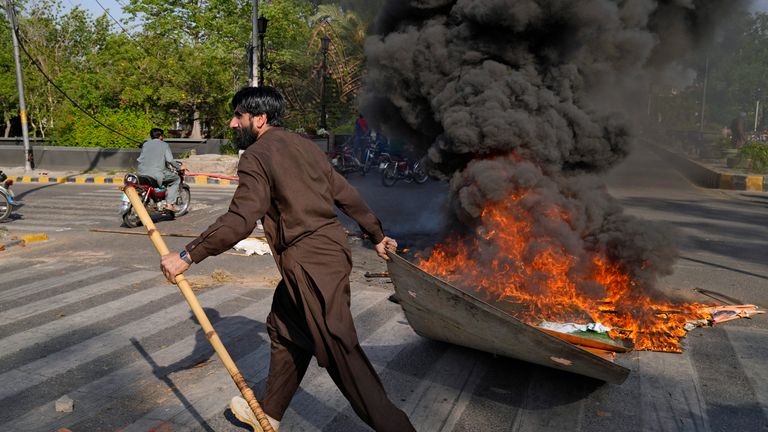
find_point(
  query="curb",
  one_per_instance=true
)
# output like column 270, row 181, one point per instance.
column 705, row 176
column 198, row 180
column 23, row 240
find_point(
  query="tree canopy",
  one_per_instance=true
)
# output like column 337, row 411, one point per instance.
column 174, row 64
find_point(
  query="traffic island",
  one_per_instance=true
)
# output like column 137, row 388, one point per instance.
column 713, row 176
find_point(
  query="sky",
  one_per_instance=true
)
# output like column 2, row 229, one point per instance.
column 114, row 8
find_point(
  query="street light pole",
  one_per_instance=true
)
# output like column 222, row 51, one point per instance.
column 324, row 43
column 261, row 26
column 254, row 72
column 20, row 85
column 757, row 106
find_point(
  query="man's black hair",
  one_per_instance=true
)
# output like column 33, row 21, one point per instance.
column 260, row 100
column 155, row 133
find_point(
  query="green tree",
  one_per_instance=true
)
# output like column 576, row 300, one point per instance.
column 737, row 69
column 193, row 42
column 9, row 99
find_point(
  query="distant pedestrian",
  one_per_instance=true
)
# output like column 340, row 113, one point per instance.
column 739, row 130
column 362, row 135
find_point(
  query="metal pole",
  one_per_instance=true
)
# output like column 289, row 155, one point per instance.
column 254, row 72
column 20, row 85
column 261, row 60
column 704, row 95
column 323, row 74
column 757, row 111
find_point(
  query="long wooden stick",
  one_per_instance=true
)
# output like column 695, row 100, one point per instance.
column 210, row 333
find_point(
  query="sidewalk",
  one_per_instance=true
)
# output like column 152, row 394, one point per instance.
column 713, row 173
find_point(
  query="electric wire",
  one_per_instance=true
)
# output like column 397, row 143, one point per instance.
column 60, row 90
column 113, row 18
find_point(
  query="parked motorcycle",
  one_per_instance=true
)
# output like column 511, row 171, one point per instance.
column 344, row 161
column 153, row 197
column 7, row 200
column 401, row 169
column 370, row 157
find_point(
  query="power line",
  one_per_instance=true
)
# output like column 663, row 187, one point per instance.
column 113, row 19
column 72, row 101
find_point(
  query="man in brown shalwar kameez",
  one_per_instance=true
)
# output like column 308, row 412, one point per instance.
column 287, row 180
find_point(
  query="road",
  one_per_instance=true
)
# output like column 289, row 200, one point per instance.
column 87, row 315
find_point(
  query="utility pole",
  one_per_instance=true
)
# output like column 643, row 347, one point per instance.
column 20, row 85
column 704, row 94
column 324, row 44
column 254, row 72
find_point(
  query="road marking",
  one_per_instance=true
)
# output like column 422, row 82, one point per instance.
column 29, row 271
column 52, row 282
column 19, row 225
column 38, row 371
column 682, row 406
column 441, row 397
column 752, row 353
column 74, row 322
column 74, row 296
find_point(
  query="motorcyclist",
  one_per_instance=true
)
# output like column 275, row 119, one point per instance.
column 156, row 161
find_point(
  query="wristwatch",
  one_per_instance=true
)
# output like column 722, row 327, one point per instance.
column 184, row 255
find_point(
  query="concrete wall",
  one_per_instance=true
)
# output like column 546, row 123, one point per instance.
column 94, row 158
column 91, row 158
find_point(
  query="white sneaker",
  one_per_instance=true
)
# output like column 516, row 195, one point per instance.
column 243, row 412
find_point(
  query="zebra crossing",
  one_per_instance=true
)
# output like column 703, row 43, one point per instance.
column 84, row 207
column 130, row 356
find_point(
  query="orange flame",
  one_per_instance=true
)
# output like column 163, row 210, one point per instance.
column 533, row 277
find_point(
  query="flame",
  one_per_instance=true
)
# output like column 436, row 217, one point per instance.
column 532, row 276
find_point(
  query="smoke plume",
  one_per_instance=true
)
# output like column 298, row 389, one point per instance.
column 533, row 98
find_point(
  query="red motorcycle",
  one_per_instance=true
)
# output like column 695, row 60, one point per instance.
column 153, row 197
column 344, row 161
column 401, row 169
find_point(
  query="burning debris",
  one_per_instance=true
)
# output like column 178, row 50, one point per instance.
column 522, row 105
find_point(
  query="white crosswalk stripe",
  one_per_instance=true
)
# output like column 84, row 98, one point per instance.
column 83, row 207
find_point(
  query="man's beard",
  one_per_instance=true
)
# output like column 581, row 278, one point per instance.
column 244, row 137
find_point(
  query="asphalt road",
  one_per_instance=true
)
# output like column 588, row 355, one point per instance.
column 87, row 315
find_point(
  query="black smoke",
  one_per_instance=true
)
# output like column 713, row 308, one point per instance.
column 535, row 97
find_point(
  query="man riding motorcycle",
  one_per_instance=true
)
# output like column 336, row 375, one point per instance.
column 154, row 162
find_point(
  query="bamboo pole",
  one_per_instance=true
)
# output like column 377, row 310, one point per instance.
column 210, row 333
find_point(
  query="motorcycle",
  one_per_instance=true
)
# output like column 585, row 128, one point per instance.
column 153, row 196
column 401, row 169
column 371, row 156
column 344, row 161
column 7, row 200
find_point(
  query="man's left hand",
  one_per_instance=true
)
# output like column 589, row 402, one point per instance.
column 172, row 265
column 388, row 244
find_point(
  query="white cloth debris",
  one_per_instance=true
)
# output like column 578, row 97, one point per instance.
column 65, row 404
column 573, row 327
column 253, row 245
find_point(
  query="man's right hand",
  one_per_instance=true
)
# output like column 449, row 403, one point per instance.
column 172, row 265
column 388, row 244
